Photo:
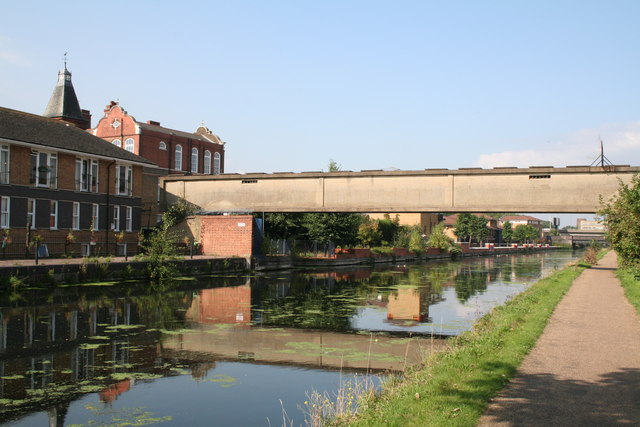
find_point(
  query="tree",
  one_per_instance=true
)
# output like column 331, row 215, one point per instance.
column 463, row 227
column 369, row 233
column 525, row 233
column 438, row 239
column 389, row 228
column 334, row 166
column 479, row 228
column 621, row 215
column 507, row 232
column 284, row 225
column 339, row 228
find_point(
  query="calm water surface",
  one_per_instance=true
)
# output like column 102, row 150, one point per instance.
column 236, row 350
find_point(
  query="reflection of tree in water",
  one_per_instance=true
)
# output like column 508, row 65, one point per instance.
column 162, row 310
column 316, row 302
column 470, row 282
column 528, row 267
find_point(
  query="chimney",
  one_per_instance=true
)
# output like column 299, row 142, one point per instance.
column 86, row 116
column 153, row 122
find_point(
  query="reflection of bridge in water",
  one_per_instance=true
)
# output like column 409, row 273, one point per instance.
column 53, row 354
column 222, row 330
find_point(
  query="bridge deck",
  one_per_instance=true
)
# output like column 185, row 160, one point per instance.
column 573, row 189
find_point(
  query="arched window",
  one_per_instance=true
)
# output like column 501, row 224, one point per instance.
column 117, row 142
column 207, row 162
column 194, row 160
column 129, row 144
column 216, row 164
column 178, row 160
column 163, row 145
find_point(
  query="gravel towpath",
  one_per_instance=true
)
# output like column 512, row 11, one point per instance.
column 585, row 368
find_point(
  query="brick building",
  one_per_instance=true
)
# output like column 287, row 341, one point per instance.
column 174, row 151
column 56, row 178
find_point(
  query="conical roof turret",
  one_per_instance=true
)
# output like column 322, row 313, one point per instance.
column 63, row 103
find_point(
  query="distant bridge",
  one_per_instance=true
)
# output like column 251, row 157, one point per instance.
column 571, row 189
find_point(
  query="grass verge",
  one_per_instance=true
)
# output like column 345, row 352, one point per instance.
column 453, row 387
column 631, row 284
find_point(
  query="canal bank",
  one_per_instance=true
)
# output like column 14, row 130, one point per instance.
column 78, row 270
column 360, row 256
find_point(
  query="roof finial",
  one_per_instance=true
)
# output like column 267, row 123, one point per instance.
column 65, row 60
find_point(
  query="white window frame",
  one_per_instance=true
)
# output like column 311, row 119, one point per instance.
column 75, row 216
column 31, row 212
column 216, row 163
column 53, row 214
column 4, row 164
column 5, row 211
column 95, row 216
column 194, row 160
column 129, row 218
column 126, row 188
column 162, row 146
column 117, row 143
column 86, row 175
column 129, row 145
column 116, row 218
column 177, row 163
column 94, row 177
column 49, row 169
column 206, row 167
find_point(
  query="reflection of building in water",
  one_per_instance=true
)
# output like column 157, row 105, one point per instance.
column 112, row 392
column 410, row 304
column 230, row 304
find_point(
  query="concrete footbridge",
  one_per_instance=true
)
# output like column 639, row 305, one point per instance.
column 571, row 189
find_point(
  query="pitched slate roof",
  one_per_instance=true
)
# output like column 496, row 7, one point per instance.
column 203, row 136
column 64, row 102
column 28, row 128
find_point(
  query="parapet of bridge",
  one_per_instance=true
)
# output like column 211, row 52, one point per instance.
column 570, row 189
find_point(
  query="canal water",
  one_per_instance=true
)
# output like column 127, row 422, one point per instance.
column 237, row 350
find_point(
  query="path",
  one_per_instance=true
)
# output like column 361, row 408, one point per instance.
column 585, row 368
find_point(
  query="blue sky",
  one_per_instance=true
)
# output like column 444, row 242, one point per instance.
column 372, row 84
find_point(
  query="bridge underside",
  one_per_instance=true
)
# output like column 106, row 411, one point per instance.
column 574, row 189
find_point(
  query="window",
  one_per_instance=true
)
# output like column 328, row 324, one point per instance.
column 163, row 145
column 116, row 218
column 75, row 224
column 44, row 168
column 194, row 160
column 117, row 142
column 129, row 144
column 87, row 175
column 207, row 162
column 95, row 217
column 31, row 213
column 93, row 180
column 4, row 164
column 178, row 159
column 128, row 217
column 53, row 215
column 216, row 164
column 4, row 212
column 124, row 178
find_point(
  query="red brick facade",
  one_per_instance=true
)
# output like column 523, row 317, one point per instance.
column 161, row 145
column 227, row 235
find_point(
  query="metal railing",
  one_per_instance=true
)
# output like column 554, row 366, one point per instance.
column 62, row 249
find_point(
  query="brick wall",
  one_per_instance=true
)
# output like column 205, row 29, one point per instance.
column 227, row 235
